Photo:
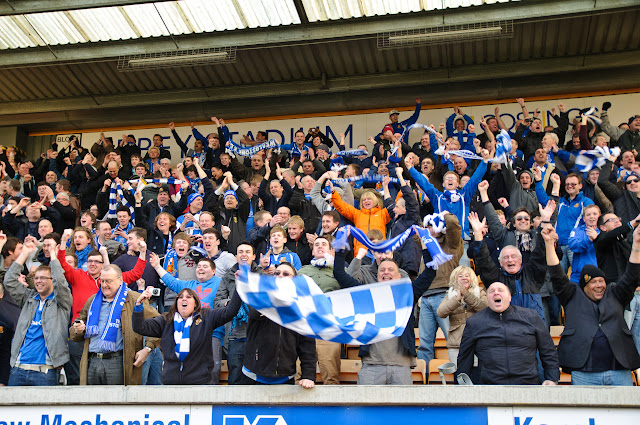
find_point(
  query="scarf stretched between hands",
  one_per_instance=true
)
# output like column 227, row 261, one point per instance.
column 181, row 330
column 237, row 149
column 438, row 256
column 371, row 178
column 110, row 332
column 142, row 183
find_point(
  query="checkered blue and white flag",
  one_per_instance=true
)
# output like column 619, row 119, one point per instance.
column 358, row 316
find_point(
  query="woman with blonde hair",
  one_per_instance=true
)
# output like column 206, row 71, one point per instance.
column 464, row 299
column 371, row 214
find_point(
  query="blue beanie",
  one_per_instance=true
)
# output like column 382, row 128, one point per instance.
column 230, row 193
column 192, row 197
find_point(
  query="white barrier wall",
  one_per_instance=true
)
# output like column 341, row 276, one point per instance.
column 359, row 127
column 340, row 405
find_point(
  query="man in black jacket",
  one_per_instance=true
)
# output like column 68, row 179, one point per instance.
column 505, row 339
column 612, row 245
column 596, row 345
column 271, row 351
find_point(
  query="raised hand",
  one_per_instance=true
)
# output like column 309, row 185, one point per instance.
column 555, row 179
column 503, row 202
column 549, row 234
column 172, row 126
column 483, row 186
column 547, row 211
column 520, row 101
column 154, row 260
column 472, row 128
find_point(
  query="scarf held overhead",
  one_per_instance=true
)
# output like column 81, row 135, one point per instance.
column 237, row 149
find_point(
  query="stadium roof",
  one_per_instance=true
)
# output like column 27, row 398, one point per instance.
column 63, row 62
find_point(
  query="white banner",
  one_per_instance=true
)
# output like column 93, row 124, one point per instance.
column 358, row 127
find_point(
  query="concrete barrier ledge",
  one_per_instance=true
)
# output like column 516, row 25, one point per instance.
column 560, row 396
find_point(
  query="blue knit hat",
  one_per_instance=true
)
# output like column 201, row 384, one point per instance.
column 192, row 197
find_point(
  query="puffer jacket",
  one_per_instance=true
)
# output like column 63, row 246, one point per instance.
column 363, row 219
column 458, row 311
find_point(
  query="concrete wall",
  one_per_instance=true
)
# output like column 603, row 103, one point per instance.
column 346, row 395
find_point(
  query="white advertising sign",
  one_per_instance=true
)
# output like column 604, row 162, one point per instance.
column 358, row 127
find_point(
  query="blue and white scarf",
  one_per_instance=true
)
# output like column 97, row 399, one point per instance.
column 116, row 190
column 590, row 114
column 371, row 178
column 110, row 332
column 353, row 152
column 417, row 125
column 237, row 149
column 144, row 182
column 437, row 254
column 595, row 158
column 170, row 263
column 181, row 330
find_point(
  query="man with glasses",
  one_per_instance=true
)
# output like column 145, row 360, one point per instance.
column 570, row 210
column 521, row 234
column 37, row 360
column 523, row 280
column 113, row 352
column 612, row 245
column 626, row 202
column 84, row 284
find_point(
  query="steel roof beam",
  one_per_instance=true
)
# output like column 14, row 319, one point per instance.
column 335, row 85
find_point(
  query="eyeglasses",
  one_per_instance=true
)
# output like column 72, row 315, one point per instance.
column 94, row 262
column 612, row 219
column 280, row 273
column 41, row 278
column 632, row 181
column 570, row 184
column 523, row 217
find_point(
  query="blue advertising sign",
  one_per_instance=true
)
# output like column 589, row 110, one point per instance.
column 339, row 415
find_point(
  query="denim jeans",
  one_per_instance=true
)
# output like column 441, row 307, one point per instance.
column 23, row 378
column 235, row 359
column 610, row 377
column 72, row 367
column 567, row 257
column 152, row 368
column 635, row 328
column 428, row 324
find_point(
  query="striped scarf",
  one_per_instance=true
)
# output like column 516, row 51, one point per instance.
column 438, row 256
column 181, row 330
column 110, row 331
column 116, row 191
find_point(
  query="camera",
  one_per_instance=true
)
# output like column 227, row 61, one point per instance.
column 155, row 292
column 77, row 321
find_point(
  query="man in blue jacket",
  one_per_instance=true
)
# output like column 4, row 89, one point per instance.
column 569, row 210
column 453, row 199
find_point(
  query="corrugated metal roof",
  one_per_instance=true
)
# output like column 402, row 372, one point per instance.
column 142, row 21
column 327, row 10
column 193, row 17
column 571, row 37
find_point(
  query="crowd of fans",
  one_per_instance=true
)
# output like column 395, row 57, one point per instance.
column 120, row 268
